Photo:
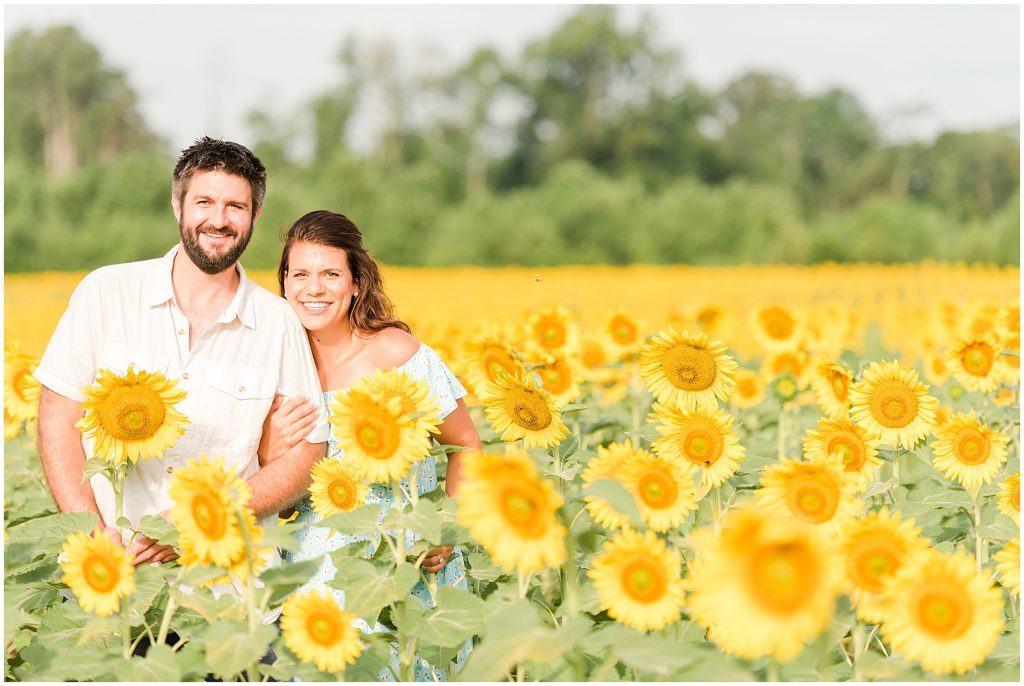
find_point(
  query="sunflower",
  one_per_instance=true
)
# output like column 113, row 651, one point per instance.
column 1008, row 566
column 558, row 372
column 207, row 498
column 636, row 577
column 624, row 332
column 553, row 328
column 512, row 511
column 750, row 389
column 595, row 356
column 891, row 403
column 518, row 409
column 857, row 448
column 831, row 385
column 1008, row 498
column 939, row 611
column 606, row 465
column 709, row 317
column 935, row 368
column 978, row 319
column 663, row 490
column 133, row 417
column 415, row 397
column 21, row 388
column 1004, row 395
column 12, row 426
column 317, row 630
column 1009, row 358
column 873, row 548
column 699, row 440
column 688, row 371
column 942, row 415
column 968, row 451
column 763, row 586
column 792, row 362
column 776, row 328
column 814, row 492
column 487, row 356
column 380, row 432
column 976, row 362
column 238, row 569
column 335, row 487
column 98, row 571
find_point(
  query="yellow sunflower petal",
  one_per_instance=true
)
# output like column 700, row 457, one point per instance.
column 317, row 630
column 97, row 571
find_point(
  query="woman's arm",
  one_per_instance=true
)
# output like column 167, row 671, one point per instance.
column 457, row 429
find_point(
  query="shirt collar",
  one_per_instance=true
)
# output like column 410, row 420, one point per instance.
column 241, row 306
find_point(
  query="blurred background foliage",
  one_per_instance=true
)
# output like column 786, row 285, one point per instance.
column 591, row 146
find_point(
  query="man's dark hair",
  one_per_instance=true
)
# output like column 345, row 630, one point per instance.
column 210, row 154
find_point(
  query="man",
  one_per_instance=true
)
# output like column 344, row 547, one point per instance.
column 195, row 316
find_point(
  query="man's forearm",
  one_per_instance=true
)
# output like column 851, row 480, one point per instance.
column 284, row 482
column 60, row 451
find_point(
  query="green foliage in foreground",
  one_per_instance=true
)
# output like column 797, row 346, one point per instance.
column 551, row 629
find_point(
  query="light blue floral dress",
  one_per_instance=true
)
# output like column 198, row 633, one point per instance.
column 315, row 542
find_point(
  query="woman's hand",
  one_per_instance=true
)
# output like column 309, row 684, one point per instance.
column 437, row 559
column 288, row 422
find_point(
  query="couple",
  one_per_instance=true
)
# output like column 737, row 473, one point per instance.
column 252, row 364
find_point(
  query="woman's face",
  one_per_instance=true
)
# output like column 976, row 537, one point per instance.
column 318, row 285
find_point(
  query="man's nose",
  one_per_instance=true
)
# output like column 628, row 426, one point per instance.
column 220, row 216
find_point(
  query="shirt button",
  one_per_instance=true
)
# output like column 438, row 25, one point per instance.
column 241, row 388
column 181, row 332
column 185, row 375
column 170, row 470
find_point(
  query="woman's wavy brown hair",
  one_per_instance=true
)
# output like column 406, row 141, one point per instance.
column 372, row 310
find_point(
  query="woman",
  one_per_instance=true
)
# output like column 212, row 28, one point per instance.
column 335, row 288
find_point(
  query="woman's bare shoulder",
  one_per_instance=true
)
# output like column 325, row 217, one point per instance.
column 391, row 347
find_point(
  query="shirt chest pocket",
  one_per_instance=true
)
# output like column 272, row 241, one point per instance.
column 239, row 398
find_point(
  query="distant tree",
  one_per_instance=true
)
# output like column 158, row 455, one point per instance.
column 63, row 107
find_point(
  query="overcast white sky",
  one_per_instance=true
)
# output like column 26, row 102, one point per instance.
column 199, row 69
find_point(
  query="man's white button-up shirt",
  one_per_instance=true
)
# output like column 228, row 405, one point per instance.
column 126, row 314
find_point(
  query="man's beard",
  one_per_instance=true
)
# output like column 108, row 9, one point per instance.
column 206, row 262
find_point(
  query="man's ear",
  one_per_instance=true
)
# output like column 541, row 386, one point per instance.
column 176, row 207
column 256, row 214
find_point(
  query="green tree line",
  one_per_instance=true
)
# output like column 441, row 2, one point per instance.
column 592, row 145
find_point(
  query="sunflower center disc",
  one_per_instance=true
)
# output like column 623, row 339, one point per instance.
column 972, row 448
column 777, row 323
column 813, row 497
column 624, row 333
column 853, row 455
column 689, row 368
column 657, row 490
column 894, row 405
column 840, row 386
column 944, row 613
column 209, row 516
column 521, row 511
column 556, row 380
column 527, row 409
column 552, row 336
column 19, row 384
column 702, row 448
column 496, row 362
column 643, row 581
column 342, row 494
column 323, row 629
column 873, row 558
column 978, row 360
column 132, row 413
column 377, row 437
column 100, row 574
column 783, row 577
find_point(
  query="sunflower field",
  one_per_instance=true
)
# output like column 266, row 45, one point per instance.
column 689, row 474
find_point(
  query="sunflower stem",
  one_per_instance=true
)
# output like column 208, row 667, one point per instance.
column 860, row 642
column 772, row 671
column 980, row 548
column 250, row 589
column 896, row 468
column 782, row 430
column 165, row 622
column 524, row 584
column 413, row 493
column 126, row 630
column 396, row 494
